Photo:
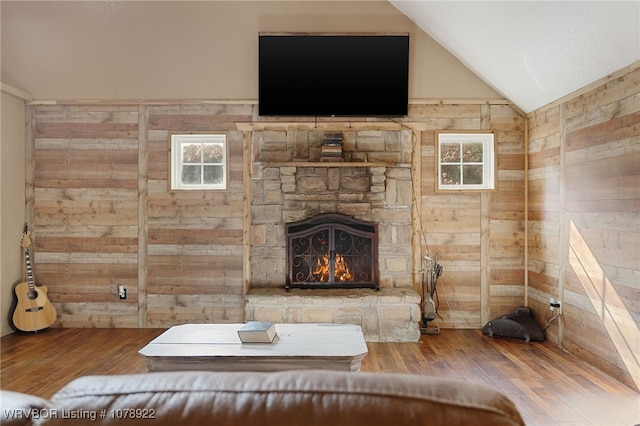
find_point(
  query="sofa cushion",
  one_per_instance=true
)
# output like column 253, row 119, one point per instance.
column 284, row 398
column 20, row 408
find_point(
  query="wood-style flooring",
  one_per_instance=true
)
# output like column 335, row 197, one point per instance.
column 548, row 386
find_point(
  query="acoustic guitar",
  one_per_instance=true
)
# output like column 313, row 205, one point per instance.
column 33, row 310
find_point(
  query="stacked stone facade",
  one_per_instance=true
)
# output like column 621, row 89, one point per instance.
column 374, row 184
column 289, row 190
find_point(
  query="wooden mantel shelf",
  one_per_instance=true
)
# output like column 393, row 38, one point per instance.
column 335, row 125
column 332, row 164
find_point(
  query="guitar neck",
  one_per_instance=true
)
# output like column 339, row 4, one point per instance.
column 27, row 261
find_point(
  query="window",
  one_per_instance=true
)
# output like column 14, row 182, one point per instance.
column 465, row 161
column 199, row 161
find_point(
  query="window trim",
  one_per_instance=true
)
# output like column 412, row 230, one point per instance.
column 175, row 163
column 489, row 162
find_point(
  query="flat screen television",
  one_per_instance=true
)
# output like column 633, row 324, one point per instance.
column 333, row 75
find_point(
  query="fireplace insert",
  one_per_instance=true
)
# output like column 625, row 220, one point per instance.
column 332, row 250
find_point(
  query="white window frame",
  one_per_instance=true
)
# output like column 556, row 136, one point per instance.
column 488, row 160
column 178, row 140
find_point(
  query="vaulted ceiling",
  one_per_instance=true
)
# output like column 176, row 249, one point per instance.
column 529, row 52
column 533, row 52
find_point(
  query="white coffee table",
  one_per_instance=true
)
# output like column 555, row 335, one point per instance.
column 217, row 347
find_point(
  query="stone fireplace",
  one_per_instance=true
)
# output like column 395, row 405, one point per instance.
column 332, row 251
column 368, row 196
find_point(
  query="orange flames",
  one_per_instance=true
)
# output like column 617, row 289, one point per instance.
column 340, row 269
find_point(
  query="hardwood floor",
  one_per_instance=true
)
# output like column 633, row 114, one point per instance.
column 548, row 386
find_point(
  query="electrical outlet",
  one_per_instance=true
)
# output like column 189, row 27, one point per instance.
column 122, row 292
column 553, row 304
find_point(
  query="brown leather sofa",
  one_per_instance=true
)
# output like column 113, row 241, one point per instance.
column 304, row 398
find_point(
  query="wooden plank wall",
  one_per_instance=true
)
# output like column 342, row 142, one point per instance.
column 478, row 236
column 102, row 216
column 83, row 204
column 194, row 238
column 584, row 162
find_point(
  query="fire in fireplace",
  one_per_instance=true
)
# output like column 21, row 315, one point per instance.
column 332, row 250
column 340, row 267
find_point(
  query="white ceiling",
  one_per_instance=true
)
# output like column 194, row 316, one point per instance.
column 533, row 52
column 530, row 52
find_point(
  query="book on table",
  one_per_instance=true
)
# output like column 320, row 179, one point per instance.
column 257, row 332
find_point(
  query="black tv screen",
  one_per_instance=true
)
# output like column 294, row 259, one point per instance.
column 333, row 75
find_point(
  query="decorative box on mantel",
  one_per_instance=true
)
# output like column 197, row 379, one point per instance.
column 331, row 149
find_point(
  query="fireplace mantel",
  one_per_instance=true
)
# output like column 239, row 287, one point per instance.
column 330, row 124
column 334, row 164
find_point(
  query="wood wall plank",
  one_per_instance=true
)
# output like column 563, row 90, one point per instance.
column 195, row 238
column 103, row 222
column 477, row 236
column 101, row 198
column 592, row 262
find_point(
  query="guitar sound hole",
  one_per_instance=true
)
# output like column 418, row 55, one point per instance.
column 32, row 294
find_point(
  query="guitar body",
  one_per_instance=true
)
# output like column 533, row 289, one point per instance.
column 33, row 311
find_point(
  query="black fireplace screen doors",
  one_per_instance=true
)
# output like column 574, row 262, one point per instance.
column 332, row 251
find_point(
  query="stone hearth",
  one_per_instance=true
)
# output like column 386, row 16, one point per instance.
column 388, row 315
